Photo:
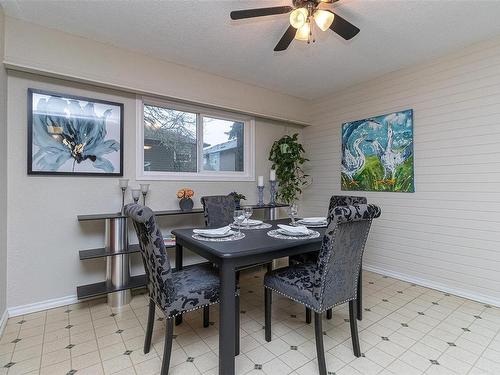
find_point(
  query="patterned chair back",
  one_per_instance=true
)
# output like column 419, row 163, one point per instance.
column 345, row 200
column 341, row 253
column 218, row 210
column 156, row 262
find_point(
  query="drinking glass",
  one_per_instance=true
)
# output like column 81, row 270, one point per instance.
column 248, row 214
column 239, row 217
column 292, row 212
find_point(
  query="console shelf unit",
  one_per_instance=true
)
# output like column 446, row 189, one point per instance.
column 116, row 251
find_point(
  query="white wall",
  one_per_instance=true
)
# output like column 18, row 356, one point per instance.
column 44, row 235
column 39, row 49
column 3, row 179
column 447, row 234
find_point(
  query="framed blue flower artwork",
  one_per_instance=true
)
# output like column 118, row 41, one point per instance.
column 71, row 135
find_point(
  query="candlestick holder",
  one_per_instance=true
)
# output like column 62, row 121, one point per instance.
column 123, row 185
column 261, row 195
column 136, row 194
column 272, row 202
column 144, row 190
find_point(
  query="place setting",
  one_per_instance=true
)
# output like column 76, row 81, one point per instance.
column 295, row 230
column 217, row 234
column 242, row 220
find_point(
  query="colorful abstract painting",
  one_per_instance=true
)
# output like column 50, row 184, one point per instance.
column 377, row 153
column 69, row 135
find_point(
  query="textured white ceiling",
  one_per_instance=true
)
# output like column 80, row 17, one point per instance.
column 199, row 34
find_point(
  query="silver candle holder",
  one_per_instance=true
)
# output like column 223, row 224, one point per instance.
column 261, row 195
column 144, row 190
column 136, row 193
column 123, row 182
column 272, row 192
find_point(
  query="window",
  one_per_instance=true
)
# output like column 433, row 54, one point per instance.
column 180, row 142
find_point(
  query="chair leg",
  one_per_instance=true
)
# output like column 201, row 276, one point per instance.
column 269, row 267
column 206, row 316
column 320, row 349
column 354, row 328
column 308, row 315
column 167, row 349
column 360, row 296
column 237, row 328
column 267, row 312
column 149, row 327
column 329, row 314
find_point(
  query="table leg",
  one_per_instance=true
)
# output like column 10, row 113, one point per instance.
column 227, row 318
column 178, row 266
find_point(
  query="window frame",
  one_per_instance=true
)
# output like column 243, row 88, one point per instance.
column 248, row 173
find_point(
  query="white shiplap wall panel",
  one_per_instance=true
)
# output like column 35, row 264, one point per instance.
column 447, row 233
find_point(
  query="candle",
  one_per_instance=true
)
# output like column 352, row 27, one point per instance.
column 260, row 181
column 123, row 183
column 272, row 175
column 144, row 188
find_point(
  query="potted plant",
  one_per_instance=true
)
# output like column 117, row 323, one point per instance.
column 237, row 198
column 287, row 155
column 185, row 202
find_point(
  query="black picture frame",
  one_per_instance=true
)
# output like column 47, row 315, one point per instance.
column 30, row 152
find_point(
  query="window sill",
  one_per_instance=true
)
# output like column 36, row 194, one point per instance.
column 194, row 177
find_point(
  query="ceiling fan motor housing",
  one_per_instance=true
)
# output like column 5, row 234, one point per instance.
column 305, row 3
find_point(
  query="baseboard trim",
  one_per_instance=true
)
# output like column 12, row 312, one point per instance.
column 43, row 305
column 3, row 321
column 433, row 285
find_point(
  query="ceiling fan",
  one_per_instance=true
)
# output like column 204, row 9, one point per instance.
column 301, row 16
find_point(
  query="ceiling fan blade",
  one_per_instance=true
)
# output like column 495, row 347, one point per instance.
column 259, row 12
column 286, row 39
column 342, row 27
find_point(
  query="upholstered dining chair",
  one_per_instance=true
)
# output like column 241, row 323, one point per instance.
column 335, row 201
column 330, row 281
column 174, row 293
column 219, row 211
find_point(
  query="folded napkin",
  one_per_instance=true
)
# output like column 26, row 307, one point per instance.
column 215, row 231
column 252, row 222
column 314, row 220
column 300, row 229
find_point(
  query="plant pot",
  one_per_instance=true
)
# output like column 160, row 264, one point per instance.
column 237, row 203
column 186, row 204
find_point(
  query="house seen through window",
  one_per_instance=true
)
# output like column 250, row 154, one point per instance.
column 191, row 142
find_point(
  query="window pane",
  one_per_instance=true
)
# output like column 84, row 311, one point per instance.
column 169, row 140
column 222, row 145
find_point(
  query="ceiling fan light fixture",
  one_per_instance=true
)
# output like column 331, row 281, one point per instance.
column 323, row 19
column 298, row 17
column 304, row 32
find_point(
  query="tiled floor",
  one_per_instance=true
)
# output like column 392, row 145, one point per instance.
column 406, row 330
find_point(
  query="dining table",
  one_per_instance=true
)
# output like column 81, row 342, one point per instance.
column 229, row 256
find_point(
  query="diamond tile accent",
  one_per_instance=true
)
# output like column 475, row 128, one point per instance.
column 119, row 331
column 293, row 341
column 68, row 326
column 385, row 300
column 293, row 316
column 421, row 313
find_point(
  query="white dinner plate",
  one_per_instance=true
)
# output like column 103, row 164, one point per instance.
column 216, row 235
column 287, row 233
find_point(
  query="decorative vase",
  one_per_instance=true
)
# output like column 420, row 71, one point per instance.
column 237, row 203
column 186, row 204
